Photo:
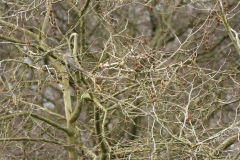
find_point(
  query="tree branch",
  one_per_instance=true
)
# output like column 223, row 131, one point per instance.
column 30, row 139
column 35, row 116
column 227, row 27
column 227, row 143
column 20, row 29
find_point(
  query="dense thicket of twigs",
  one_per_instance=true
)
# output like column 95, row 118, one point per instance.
column 116, row 79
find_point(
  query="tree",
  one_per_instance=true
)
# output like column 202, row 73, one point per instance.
column 119, row 79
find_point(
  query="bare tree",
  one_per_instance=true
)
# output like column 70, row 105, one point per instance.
column 130, row 79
